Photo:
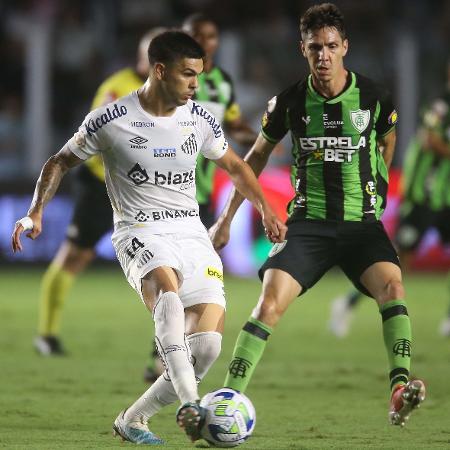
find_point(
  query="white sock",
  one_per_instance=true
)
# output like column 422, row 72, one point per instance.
column 171, row 341
column 205, row 348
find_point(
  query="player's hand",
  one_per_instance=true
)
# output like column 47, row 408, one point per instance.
column 274, row 228
column 33, row 223
column 219, row 234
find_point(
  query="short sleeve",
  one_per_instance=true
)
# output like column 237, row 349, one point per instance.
column 86, row 142
column 388, row 117
column 273, row 123
column 214, row 145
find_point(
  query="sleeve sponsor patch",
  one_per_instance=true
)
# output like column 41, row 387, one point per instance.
column 393, row 117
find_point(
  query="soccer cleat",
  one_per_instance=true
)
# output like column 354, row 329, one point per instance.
column 134, row 431
column 48, row 346
column 444, row 328
column 191, row 417
column 404, row 399
column 341, row 315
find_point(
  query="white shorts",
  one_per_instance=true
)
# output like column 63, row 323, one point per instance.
column 192, row 256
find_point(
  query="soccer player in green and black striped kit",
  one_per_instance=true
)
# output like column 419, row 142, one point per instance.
column 426, row 200
column 343, row 133
column 216, row 92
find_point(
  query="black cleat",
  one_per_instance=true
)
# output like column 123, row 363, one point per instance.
column 191, row 417
column 49, row 346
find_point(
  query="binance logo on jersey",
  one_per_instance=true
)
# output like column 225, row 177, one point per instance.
column 214, row 273
column 138, row 175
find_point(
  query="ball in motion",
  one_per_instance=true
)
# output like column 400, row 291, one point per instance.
column 230, row 418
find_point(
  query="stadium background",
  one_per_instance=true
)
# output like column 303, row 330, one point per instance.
column 53, row 56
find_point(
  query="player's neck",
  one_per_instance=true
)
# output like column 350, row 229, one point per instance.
column 331, row 88
column 154, row 102
column 208, row 65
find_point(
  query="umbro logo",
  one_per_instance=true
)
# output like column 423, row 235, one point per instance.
column 137, row 142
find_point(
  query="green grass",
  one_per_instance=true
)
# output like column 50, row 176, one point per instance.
column 311, row 391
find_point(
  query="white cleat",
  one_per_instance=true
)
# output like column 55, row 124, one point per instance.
column 134, row 431
column 404, row 400
column 341, row 316
column 444, row 328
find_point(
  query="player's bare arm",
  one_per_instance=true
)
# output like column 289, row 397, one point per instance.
column 386, row 144
column 256, row 160
column 434, row 142
column 240, row 131
column 46, row 186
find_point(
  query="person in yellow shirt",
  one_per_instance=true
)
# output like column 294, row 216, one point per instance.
column 92, row 216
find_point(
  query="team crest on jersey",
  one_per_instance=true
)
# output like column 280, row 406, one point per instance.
column 277, row 248
column 190, row 145
column 360, row 119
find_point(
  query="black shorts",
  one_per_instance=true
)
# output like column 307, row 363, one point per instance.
column 92, row 216
column 416, row 220
column 313, row 246
column 206, row 214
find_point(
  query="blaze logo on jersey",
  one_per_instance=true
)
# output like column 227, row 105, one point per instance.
column 190, row 145
column 93, row 125
column 138, row 175
column 360, row 119
column 170, row 178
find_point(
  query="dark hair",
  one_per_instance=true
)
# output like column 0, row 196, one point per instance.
column 193, row 20
column 321, row 16
column 169, row 46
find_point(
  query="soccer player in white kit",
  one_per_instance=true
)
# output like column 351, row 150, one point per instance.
column 149, row 142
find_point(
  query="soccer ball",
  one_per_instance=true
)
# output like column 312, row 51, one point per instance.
column 230, row 418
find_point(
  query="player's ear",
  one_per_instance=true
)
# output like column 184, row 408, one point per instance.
column 345, row 46
column 302, row 48
column 159, row 70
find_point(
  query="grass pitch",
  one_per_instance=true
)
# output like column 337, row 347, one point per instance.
column 311, row 390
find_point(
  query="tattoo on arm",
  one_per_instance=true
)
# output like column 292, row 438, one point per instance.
column 52, row 172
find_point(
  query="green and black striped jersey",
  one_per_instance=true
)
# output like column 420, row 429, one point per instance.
column 426, row 177
column 338, row 171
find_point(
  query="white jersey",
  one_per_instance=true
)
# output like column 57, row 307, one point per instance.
column 150, row 161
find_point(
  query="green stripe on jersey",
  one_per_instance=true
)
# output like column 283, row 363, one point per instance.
column 315, row 188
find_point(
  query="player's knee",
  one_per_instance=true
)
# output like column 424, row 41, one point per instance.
column 168, row 308
column 205, row 349
column 394, row 290
column 268, row 310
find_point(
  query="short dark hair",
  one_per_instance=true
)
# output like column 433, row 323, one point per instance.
column 321, row 16
column 193, row 20
column 169, row 46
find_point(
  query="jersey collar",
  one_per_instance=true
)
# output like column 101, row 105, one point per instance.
column 349, row 85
